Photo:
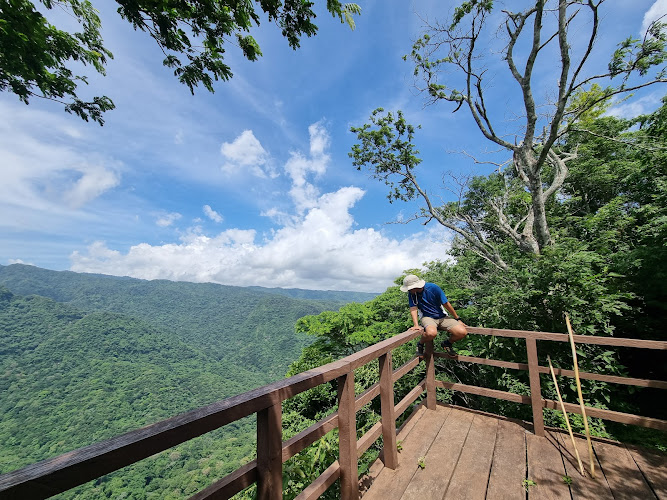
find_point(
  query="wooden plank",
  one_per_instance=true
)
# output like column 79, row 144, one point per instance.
column 372, row 435
column 367, row 396
column 429, row 361
column 545, row 468
column 624, row 477
column 535, row 389
column 321, row 484
column 376, row 350
column 391, row 483
column 409, row 398
column 654, row 467
column 228, row 486
column 582, row 487
column 615, row 416
column 406, row 368
column 308, row 436
column 658, row 384
column 579, row 339
column 508, row 468
column 470, row 477
column 414, row 417
column 347, row 438
column 483, row 361
column 269, row 453
column 483, row 391
column 389, row 452
column 431, row 482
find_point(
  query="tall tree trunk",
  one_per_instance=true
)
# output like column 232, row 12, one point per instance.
column 542, row 233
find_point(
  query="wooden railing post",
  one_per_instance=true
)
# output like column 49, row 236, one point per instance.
column 429, row 360
column 535, row 388
column 390, row 452
column 347, row 436
column 269, row 453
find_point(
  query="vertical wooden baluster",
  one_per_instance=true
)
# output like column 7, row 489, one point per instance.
column 430, row 376
column 269, row 453
column 388, row 417
column 347, row 445
column 535, row 389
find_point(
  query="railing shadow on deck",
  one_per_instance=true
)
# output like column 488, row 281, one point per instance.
column 77, row 467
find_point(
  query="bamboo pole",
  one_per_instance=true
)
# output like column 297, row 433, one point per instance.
column 581, row 397
column 567, row 420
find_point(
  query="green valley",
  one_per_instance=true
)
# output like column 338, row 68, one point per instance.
column 86, row 357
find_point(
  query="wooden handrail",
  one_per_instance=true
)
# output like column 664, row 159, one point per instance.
column 563, row 337
column 61, row 473
column 534, row 369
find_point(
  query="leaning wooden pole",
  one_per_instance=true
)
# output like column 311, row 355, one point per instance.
column 581, row 397
column 567, row 420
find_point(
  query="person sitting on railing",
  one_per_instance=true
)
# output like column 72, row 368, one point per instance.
column 428, row 301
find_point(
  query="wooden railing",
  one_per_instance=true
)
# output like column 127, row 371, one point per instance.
column 66, row 471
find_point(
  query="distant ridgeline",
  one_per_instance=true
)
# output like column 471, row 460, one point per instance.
column 87, row 357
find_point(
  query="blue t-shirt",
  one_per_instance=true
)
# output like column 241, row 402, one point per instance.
column 429, row 301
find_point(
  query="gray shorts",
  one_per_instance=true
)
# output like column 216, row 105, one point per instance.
column 441, row 324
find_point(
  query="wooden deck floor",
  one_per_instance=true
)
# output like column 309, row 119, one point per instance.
column 468, row 455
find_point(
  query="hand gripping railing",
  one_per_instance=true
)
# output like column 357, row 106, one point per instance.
column 66, row 471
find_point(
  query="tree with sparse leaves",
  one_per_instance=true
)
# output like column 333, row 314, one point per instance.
column 540, row 163
column 36, row 57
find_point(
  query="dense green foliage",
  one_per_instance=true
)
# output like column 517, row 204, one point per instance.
column 71, row 379
column 37, row 58
column 106, row 355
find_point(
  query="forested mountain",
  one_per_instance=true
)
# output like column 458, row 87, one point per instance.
column 84, row 358
column 251, row 327
column 71, row 378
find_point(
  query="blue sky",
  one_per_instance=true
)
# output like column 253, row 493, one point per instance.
column 252, row 185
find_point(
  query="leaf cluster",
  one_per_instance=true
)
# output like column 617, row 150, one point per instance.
column 386, row 148
column 36, row 57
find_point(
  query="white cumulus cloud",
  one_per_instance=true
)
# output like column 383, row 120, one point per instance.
column 246, row 153
column 167, row 219
column 317, row 245
column 303, row 193
column 322, row 251
column 212, row 214
column 94, row 181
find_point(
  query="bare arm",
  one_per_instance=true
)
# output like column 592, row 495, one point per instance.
column 415, row 317
column 450, row 310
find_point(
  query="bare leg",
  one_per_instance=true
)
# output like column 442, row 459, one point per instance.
column 457, row 332
column 430, row 332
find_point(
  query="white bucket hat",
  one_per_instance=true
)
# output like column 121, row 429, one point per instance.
column 411, row 281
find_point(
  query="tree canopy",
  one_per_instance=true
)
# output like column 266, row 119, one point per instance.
column 37, row 58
